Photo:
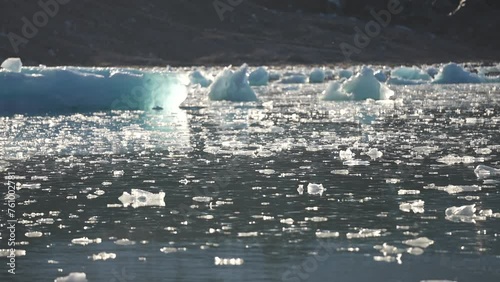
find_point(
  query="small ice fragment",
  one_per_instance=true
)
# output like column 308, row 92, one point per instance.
column 356, row 163
column 103, row 256
column 414, row 206
column 140, row 198
column 73, row 277
column 454, row 159
column 327, row 234
column 118, row 173
column 300, row 189
column 408, row 192
column 29, row 186
column 228, row 261
column 315, row 189
column 12, row 65
column 202, row 199
column 374, row 153
column 346, row 155
column 365, row 233
column 483, row 171
column 387, row 249
column 416, row 251
column 124, row 242
column 34, row 234
column 248, row 234
column 84, row 241
column 168, row 250
column 422, row 242
column 12, row 253
column 467, row 210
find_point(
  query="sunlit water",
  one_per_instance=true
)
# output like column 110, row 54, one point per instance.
column 231, row 174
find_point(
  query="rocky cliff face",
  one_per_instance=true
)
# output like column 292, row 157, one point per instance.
column 187, row 32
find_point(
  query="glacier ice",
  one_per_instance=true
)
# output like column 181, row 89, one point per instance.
column 360, row 87
column 452, row 73
column 140, row 198
column 259, row 77
column 483, row 171
column 12, row 65
column 232, row 86
column 317, row 76
column 408, row 76
column 196, row 77
column 41, row 90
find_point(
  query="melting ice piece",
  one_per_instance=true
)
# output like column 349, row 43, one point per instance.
column 345, row 73
column 34, row 234
column 103, row 256
column 300, row 189
column 453, row 74
column 259, row 77
column 346, row 155
column 12, row 65
column 416, row 206
column 118, row 173
column 454, row 159
column 387, row 249
column 483, row 171
column 374, row 153
column 84, row 241
column 228, row 261
column 202, row 199
column 232, row 86
column 356, row 163
column 11, row 253
column 327, row 234
column 422, row 242
column 317, row 76
column 461, row 214
column 360, row 87
column 73, row 277
column 196, row 77
column 455, row 189
column 140, row 198
column 407, row 75
column 365, row 233
column 315, row 189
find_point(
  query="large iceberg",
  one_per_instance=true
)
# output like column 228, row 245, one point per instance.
column 360, row 87
column 408, row 76
column 232, row 86
column 259, row 77
column 453, row 73
column 40, row 90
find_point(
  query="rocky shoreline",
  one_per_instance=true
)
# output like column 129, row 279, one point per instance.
column 221, row 32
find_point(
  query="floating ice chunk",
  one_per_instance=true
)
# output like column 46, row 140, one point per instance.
column 196, row 77
column 454, row 159
column 118, row 173
column 346, row 155
column 453, row 74
column 84, row 241
column 356, row 163
column 416, row 206
column 232, row 86
column 366, row 233
column 103, row 256
column 168, row 250
column 416, row 251
column 407, row 75
column 387, row 249
column 374, row 153
column 380, row 76
column 327, row 234
column 483, row 171
column 228, row 261
column 396, row 258
column 315, row 189
column 317, row 76
column 248, row 234
column 408, row 192
column 11, row 253
column 461, row 214
column 300, row 189
column 259, row 77
column 140, row 198
column 30, row 186
column 422, row 242
column 34, row 234
column 273, row 76
column 73, row 277
column 124, row 242
column 294, row 79
column 360, row 87
column 202, row 199
column 345, row 73
column 454, row 189
column 12, row 65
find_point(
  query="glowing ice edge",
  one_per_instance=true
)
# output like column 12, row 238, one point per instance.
column 36, row 90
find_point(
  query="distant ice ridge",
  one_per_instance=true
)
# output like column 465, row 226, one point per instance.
column 360, row 87
column 232, row 86
column 140, row 198
column 41, row 90
column 407, row 75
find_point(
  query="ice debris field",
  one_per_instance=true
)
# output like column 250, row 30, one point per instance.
column 123, row 174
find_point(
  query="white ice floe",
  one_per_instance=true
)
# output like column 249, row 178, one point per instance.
column 140, row 198
column 73, row 277
column 416, row 251
column 315, row 189
column 33, row 234
column 317, row 76
column 365, row 233
column 374, row 153
column 356, row 163
column 416, row 206
column 327, row 234
column 360, row 87
column 396, row 258
column 124, row 242
column 408, row 192
column 387, row 249
column 84, row 241
column 232, row 86
column 454, row 159
column 454, row 189
column 346, row 155
column 453, row 74
column 103, row 256
column 259, row 77
column 12, row 65
column 196, row 77
column 202, row 199
column 228, row 261
column 422, row 242
column 118, row 173
column 483, row 171
column 462, row 214
column 12, row 253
